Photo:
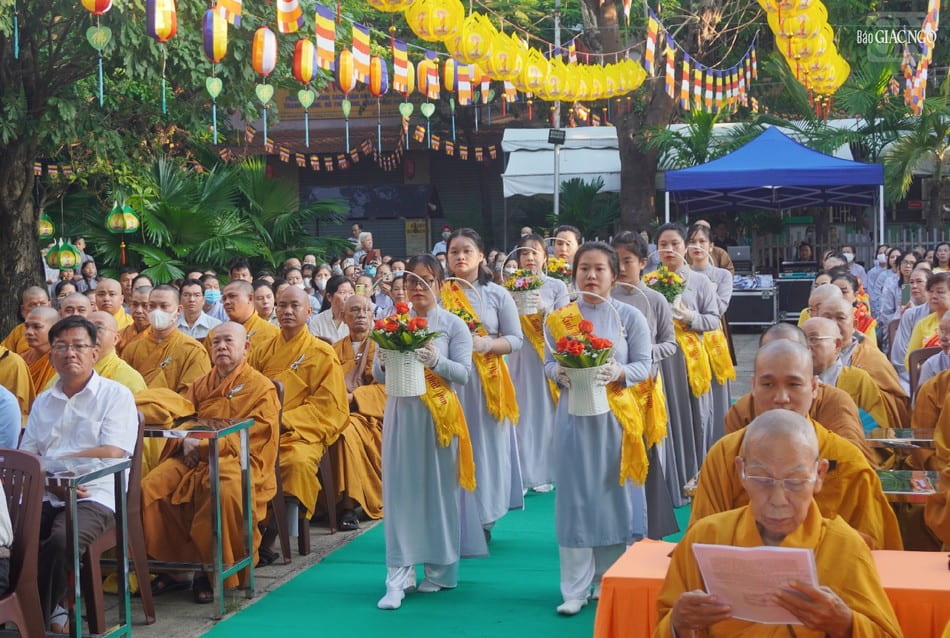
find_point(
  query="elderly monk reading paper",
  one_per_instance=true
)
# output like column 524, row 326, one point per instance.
column 314, row 411
column 783, row 378
column 359, row 463
column 830, row 407
column 176, row 499
column 782, row 471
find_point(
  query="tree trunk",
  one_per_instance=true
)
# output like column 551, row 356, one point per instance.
column 20, row 266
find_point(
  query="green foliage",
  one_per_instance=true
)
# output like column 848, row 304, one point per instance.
column 584, row 206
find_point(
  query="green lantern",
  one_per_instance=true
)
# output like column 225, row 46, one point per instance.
column 45, row 227
column 122, row 220
column 63, row 256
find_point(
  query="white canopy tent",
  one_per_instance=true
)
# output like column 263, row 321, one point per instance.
column 587, row 153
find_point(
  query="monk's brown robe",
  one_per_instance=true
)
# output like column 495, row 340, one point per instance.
column 259, row 331
column 128, row 335
column 175, row 362
column 15, row 377
column 867, row 357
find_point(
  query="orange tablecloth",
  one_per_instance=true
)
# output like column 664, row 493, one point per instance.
column 917, row 584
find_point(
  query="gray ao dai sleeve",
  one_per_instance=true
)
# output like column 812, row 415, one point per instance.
column 665, row 345
column 706, row 314
column 509, row 325
column 639, row 345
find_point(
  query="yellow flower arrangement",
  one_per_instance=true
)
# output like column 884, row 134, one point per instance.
column 666, row 282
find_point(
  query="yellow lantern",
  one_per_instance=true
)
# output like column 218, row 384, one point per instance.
column 611, row 83
column 435, row 20
column 499, row 63
column 422, row 75
column 410, row 78
column 553, row 86
column 390, row 6
column 535, row 69
column 478, row 33
column 449, row 75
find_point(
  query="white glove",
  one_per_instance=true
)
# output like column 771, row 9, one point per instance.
column 481, row 344
column 682, row 313
column 561, row 377
column 534, row 298
column 428, row 355
column 611, row 371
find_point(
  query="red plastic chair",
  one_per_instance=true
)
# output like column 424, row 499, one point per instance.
column 23, row 485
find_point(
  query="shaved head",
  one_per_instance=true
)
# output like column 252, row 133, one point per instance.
column 34, row 291
column 841, row 312
column 109, row 296
column 820, row 326
column 293, row 310
column 784, row 377
column 780, row 427
column 822, row 294
column 75, row 304
column 37, row 326
column 793, row 352
column 108, row 331
column 237, row 298
column 33, row 297
column 783, row 331
column 358, row 315
column 229, row 345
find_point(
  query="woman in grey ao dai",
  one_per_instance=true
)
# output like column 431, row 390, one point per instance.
column 595, row 516
column 420, row 477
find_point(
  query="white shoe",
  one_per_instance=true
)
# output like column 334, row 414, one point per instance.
column 428, row 587
column 392, row 599
column 570, row 607
column 543, row 488
column 596, row 594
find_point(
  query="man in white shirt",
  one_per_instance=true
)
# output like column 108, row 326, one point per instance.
column 439, row 246
column 82, row 415
column 193, row 320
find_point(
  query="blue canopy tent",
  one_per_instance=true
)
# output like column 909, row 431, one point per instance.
column 774, row 172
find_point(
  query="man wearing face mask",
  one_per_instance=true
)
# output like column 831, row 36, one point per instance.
column 167, row 358
column 856, row 269
column 440, row 245
column 194, row 321
column 212, row 305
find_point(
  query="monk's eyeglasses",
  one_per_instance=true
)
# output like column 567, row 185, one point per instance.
column 789, row 484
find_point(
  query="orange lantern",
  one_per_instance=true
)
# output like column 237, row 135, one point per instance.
column 378, row 76
column 305, row 61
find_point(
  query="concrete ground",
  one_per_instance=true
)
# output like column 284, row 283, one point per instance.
column 178, row 616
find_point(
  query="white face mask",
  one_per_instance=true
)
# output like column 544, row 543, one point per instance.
column 882, row 259
column 510, row 271
column 398, row 273
column 320, row 283
column 849, row 257
column 446, row 235
column 300, row 285
column 337, row 270
column 160, row 319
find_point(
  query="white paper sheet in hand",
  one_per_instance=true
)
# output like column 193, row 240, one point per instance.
column 745, row 577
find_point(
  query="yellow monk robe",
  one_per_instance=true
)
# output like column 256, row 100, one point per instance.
column 314, row 412
column 15, row 377
column 924, row 331
column 867, row 357
column 359, row 456
column 937, row 510
column 930, row 412
column 41, row 370
column 258, row 331
column 129, row 334
column 123, row 319
column 174, row 363
column 851, row 489
column 866, row 394
column 16, row 340
column 834, row 543
column 804, row 316
column 832, row 407
column 176, row 499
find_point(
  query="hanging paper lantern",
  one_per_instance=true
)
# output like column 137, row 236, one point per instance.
column 63, row 256
column 345, row 71
column 305, row 61
column 97, row 7
column 122, row 220
column 410, row 79
column 45, row 227
column 390, row 6
column 161, row 19
column 378, row 76
column 435, row 20
column 477, row 33
column 422, row 75
column 535, row 69
column 214, row 34
column 505, row 61
column 264, row 52
column 449, row 75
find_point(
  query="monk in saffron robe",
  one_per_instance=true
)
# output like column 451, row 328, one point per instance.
column 38, row 323
column 831, row 407
column 167, row 358
column 359, row 460
column 176, row 499
column 15, row 377
column 931, row 411
column 314, row 410
column 858, row 352
column 75, row 304
column 139, row 328
column 237, row 298
column 32, row 297
column 109, row 298
column 784, row 379
column 783, row 474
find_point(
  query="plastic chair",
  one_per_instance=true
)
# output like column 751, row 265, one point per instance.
column 892, row 327
column 23, row 485
column 914, row 361
column 277, row 504
column 92, row 569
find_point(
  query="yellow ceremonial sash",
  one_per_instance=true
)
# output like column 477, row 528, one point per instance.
column 698, row 371
column 652, row 402
column 492, row 368
column 533, row 328
column 623, row 402
column 720, row 361
column 446, row 410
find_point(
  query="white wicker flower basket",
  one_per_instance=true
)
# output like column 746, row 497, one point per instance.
column 524, row 302
column 405, row 375
column 586, row 397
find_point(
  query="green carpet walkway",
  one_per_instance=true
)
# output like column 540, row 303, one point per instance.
column 512, row 593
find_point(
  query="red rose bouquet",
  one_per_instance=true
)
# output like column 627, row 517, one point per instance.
column 400, row 332
column 585, row 350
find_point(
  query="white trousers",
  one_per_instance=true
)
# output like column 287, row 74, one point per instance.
column 582, row 567
column 402, row 578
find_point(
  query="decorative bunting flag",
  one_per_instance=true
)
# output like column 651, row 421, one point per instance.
column 301, row 159
column 492, row 151
column 463, row 152
column 52, row 170
column 479, row 154
column 230, row 10
column 328, row 164
column 432, row 76
column 289, row 16
column 326, row 37
column 684, row 85
column 354, row 155
column 284, row 154
column 435, row 142
column 670, row 79
column 627, row 4
column 342, row 162
column 450, row 148
column 572, row 52
column 419, row 133
column 464, row 84
column 249, row 133
column 717, row 99
column 37, row 168
column 652, row 29
column 708, row 94
column 268, row 145
column 314, row 163
column 67, row 170
column 755, row 65
column 400, row 67
column 698, row 87
column 361, row 52
column 511, row 93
